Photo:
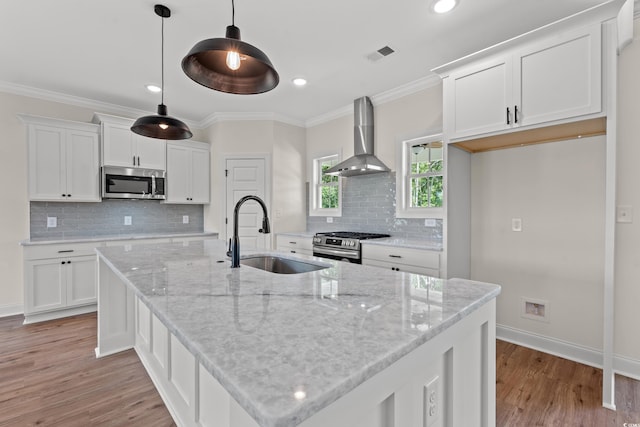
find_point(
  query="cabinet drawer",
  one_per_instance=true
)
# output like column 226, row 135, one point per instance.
column 399, row 255
column 403, row 267
column 60, row 250
column 292, row 242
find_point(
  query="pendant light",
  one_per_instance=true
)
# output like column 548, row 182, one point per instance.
column 161, row 126
column 230, row 65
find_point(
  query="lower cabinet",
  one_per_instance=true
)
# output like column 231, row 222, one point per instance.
column 60, row 280
column 294, row 244
column 410, row 260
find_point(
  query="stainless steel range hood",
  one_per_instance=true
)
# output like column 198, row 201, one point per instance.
column 364, row 162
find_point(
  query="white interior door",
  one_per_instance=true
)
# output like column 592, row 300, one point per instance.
column 246, row 177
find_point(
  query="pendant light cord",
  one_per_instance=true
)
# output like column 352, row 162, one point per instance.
column 233, row 13
column 162, row 62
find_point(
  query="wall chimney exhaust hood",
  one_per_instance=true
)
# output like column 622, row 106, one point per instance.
column 364, row 162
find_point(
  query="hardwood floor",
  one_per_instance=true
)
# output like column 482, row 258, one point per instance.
column 538, row 389
column 49, row 376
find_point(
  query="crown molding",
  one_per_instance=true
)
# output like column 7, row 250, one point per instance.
column 91, row 104
column 381, row 98
column 230, row 117
column 99, row 106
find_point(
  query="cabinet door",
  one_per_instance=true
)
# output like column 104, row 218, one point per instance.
column 82, row 166
column 477, row 98
column 117, row 145
column 81, row 280
column 178, row 174
column 45, row 285
column 47, row 177
column 150, row 152
column 559, row 79
column 199, row 176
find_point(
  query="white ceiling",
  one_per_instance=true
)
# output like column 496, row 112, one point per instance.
column 107, row 51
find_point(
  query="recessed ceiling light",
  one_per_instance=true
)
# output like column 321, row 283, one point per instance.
column 153, row 88
column 444, row 6
column 299, row 81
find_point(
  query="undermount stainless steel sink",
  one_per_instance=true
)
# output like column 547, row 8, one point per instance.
column 280, row 265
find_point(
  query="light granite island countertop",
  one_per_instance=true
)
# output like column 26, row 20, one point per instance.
column 338, row 346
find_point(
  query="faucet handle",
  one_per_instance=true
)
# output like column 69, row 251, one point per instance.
column 229, row 251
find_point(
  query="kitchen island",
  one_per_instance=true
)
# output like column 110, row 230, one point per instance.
column 345, row 345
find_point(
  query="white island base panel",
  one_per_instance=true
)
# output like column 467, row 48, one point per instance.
column 448, row 381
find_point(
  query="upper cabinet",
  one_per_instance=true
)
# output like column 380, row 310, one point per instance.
column 552, row 80
column 64, row 160
column 188, row 172
column 122, row 147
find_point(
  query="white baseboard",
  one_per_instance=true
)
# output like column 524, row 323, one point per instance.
column 11, row 310
column 585, row 355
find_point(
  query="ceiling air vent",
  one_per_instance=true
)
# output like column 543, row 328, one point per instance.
column 380, row 53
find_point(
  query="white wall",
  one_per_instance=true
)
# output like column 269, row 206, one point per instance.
column 627, row 272
column 557, row 189
column 285, row 144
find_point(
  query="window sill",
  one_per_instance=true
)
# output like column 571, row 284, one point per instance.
column 436, row 213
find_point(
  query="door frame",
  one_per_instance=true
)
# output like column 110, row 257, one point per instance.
column 267, row 189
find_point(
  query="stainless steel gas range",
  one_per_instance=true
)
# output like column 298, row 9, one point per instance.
column 342, row 245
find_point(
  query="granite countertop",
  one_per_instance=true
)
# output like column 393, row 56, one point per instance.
column 413, row 243
column 31, row 242
column 405, row 243
column 266, row 336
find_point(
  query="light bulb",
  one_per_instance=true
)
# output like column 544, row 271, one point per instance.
column 163, row 126
column 444, row 6
column 233, row 60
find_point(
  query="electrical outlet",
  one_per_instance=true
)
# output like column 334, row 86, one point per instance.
column 185, row 219
column 516, row 224
column 52, row 221
column 278, row 213
column 624, row 214
column 127, row 220
column 432, row 402
column 429, row 222
column 329, row 219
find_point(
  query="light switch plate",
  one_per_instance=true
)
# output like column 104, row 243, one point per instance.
column 127, row 220
column 185, row 219
column 52, row 221
column 624, row 214
column 329, row 219
column 516, row 224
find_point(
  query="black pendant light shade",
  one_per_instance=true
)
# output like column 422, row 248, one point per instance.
column 207, row 64
column 161, row 125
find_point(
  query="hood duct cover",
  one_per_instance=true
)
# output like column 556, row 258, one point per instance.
column 364, row 162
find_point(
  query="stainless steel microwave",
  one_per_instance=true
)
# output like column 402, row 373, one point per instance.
column 133, row 183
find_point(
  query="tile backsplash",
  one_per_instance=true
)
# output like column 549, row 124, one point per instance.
column 369, row 204
column 79, row 220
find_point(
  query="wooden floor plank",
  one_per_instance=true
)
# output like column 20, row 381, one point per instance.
column 49, row 376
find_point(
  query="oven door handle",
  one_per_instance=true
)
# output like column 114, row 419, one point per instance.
column 335, row 252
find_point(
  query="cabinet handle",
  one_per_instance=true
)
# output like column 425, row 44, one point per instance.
column 65, row 251
column 293, row 252
column 63, row 262
column 515, row 114
column 64, row 195
column 508, row 116
column 134, row 160
column 138, row 160
column 68, row 195
column 294, row 243
column 395, row 256
column 68, row 262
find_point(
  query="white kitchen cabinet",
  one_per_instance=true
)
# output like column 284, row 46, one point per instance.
column 64, row 160
column 410, row 260
column 122, row 147
column 188, row 172
column 294, row 244
column 555, row 79
column 60, row 281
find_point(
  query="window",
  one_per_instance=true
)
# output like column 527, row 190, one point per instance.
column 327, row 191
column 420, row 179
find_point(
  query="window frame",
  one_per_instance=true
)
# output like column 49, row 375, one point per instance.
column 315, row 208
column 403, row 177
